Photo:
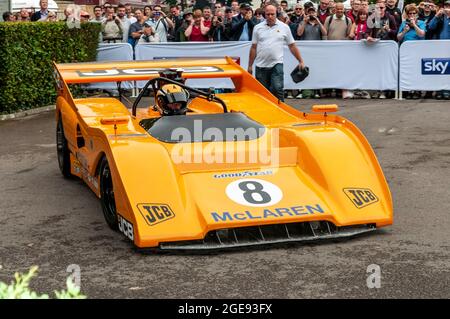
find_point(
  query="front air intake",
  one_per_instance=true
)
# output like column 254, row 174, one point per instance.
column 268, row 234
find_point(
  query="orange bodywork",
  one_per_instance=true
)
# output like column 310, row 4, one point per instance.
column 325, row 169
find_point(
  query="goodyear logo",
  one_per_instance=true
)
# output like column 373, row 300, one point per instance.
column 156, row 213
column 361, row 197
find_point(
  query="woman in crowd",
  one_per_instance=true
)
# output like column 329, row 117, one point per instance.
column 359, row 28
column 412, row 29
column 197, row 31
column 359, row 32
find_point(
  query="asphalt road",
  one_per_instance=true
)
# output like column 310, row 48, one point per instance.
column 51, row 222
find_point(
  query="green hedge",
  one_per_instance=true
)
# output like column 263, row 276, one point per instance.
column 26, row 54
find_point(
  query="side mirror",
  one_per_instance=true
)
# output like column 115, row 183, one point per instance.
column 114, row 120
column 325, row 108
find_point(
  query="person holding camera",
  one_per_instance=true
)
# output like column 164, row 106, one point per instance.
column 217, row 30
column 441, row 27
column 381, row 25
column 162, row 23
column 441, row 22
column 136, row 28
column 411, row 28
column 112, row 28
column 426, row 15
column 148, row 35
column 311, row 28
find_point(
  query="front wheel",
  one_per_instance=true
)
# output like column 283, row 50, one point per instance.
column 107, row 195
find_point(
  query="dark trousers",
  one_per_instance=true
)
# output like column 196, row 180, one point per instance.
column 272, row 79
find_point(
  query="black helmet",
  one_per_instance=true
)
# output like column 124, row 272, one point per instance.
column 171, row 99
column 299, row 75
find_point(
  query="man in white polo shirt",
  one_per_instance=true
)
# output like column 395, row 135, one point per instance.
column 268, row 41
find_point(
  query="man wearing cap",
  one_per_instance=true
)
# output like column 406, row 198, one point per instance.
column 243, row 24
column 187, row 19
column 267, row 49
column 148, row 35
column 311, row 28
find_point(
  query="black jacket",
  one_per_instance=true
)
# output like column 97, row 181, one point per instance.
column 219, row 32
column 429, row 34
column 36, row 16
column 238, row 26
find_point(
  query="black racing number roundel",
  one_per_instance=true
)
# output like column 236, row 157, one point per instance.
column 253, row 192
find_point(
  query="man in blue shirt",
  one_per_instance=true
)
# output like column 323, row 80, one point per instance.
column 441, row 27
column 441, row 22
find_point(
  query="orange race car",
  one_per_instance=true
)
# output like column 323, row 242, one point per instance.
column 200, row 170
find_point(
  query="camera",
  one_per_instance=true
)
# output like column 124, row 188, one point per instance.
column 312, row 18
column 408, row 22
column 219, row 19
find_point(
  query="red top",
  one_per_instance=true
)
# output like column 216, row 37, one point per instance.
column 207, row 23
column 360, row 31
column 323, row 16
column 350, row 15
column 197, row 35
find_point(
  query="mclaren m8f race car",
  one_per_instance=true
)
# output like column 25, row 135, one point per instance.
column 193, row 169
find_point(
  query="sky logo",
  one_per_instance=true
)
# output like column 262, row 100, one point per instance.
column 435, row 66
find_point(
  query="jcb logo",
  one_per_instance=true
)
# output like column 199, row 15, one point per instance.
column 361, row 197
column 155, row 213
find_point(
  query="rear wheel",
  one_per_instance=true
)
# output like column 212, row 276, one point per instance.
column 107, row 194
column 62, row 150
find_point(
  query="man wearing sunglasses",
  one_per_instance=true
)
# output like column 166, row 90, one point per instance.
column 381, row 25
column 411, row 28
column 298, row 14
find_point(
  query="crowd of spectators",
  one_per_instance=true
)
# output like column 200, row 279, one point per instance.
column 327, row 20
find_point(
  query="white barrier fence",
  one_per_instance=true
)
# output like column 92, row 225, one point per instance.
column 425, row 65
column 333, row 64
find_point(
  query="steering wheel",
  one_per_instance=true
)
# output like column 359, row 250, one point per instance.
column 210, row 96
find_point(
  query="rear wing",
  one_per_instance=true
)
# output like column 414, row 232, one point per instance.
column 90, row 72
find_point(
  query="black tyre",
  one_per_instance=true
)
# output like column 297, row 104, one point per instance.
column 62, row 150
column 107, row 194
